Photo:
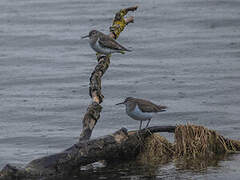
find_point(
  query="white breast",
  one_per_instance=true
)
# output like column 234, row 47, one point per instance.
column 98, row 48
column 137, row 114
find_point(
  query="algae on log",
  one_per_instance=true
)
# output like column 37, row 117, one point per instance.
column 121, row 145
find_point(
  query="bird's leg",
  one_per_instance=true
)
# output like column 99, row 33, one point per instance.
column 140, row 125
column 148, row 123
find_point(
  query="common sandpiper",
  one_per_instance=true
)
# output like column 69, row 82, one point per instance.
column 104, row 44
column 141, row 110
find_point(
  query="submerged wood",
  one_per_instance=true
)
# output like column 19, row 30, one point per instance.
column 121, row 145
column 193, row 142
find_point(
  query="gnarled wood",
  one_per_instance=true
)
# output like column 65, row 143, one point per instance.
column 90, row 119
column 119, row 145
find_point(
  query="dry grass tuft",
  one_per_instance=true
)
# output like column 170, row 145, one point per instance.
column 198, row 141
column 155, row 150
column 195, row 147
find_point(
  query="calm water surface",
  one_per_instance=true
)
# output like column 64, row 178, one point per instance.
column 185, row 55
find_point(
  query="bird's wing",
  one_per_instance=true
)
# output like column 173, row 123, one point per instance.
column 147, row 106
column 111, row 43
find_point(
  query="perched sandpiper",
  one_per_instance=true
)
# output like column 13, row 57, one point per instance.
column 141, row 110
column 103, row 44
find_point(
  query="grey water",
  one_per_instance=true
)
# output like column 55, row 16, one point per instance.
column 186, row 55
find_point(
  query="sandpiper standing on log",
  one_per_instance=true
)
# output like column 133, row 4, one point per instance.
column 141, row 110
column 103, row 44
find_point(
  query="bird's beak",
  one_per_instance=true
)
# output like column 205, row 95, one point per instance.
column 85, row 36
column 119, row 103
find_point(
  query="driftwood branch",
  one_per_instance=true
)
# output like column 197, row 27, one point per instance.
column 119, row 145
column 190, row 141
column 94, row 109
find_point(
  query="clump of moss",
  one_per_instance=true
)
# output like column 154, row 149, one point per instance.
column 155, row 150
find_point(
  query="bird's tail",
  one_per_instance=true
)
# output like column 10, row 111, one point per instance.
column 162, row 108
column 129, row 50
column 123, row 51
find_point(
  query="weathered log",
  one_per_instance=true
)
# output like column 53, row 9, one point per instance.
column 120, row 145
column 94, row 109
column 194, row 142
